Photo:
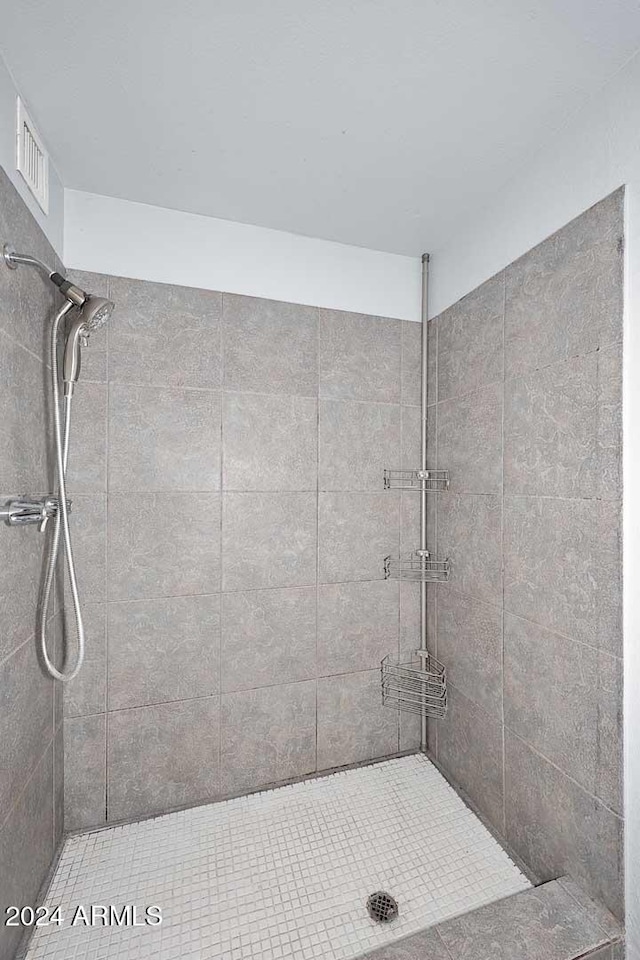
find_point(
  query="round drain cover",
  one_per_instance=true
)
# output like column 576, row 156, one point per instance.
column 382, row 907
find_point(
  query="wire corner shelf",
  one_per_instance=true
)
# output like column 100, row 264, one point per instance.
column 416, row 480
column 417, row 686
column 418, row 566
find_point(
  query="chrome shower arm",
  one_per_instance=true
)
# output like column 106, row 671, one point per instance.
column 13, row 260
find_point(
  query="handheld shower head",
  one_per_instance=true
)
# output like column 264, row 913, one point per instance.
column 93, row 314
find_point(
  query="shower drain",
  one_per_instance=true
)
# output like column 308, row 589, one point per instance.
column 382, row 907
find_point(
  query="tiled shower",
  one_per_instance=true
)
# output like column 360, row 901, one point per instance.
column 230, row 525
column 275, row 422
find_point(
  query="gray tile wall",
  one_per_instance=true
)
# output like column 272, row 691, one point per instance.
column 236, row 609
column 525, row 411
column 31, row 761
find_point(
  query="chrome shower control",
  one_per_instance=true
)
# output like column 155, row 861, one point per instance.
column 19, row 513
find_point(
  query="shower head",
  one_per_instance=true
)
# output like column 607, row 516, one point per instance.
column 93, row 314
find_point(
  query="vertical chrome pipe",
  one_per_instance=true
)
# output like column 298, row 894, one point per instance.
column 423, row 464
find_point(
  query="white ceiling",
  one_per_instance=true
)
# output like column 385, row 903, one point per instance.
column 374, row 122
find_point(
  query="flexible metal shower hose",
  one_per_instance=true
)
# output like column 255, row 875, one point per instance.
column 62, row 427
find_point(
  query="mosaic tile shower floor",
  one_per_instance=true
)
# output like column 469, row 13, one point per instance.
column 284, row 873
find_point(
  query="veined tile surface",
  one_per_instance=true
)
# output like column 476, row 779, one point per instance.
column 283, row 873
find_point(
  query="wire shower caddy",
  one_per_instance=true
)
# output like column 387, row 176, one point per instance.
column 418, row 685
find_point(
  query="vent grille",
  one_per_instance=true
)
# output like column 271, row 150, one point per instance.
column 32, row 158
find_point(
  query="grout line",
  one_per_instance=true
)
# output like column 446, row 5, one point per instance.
column 502, row 563
column 219, row 694
column 369, row 491
column 221, row 625
column 166, row 387
column 16, row 343
column 21, row 793
column 17, row 649
column 470, row 394
column 564, row 636
column 217, row 593
column 583, row 908
column 268, row 787
column 567, row 776
column 518, row 616
column 317, row 584
column 106, row 571
column 441, row 939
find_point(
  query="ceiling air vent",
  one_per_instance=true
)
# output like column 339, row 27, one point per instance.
column 32, row 158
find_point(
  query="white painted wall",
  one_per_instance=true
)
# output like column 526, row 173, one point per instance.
column 129, row 239
column 51, row 223
column 595, row 153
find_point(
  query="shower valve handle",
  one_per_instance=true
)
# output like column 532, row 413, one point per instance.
column 19, row 513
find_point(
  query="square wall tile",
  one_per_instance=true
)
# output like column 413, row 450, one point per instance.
column 160, row 547
column 411, row 392
column 85, row 758
column 26, row 720
column 411, row 443
column 26, row 849
column 164, row 334
column 58, row 785
column 162, row 756
column 163, row 649
column 270, row 346
column 410, row 617
column 470, row 534
column 270, row 442
column 163, row 440
column 353, row 726
column 563, row 568
column 410, row 731
column 358, row 441
column 470, row 349
column 575, row 834
column 86, row 693
column 268, row 540
column 88, row 522
column 268, row 735
column 470, row 646
column 410, row 521
column 610, row 421
column 24, row 382
column 87, row 472
column 20, row 574
column 357, row 625
column 356, row 532
column 470, row 750
column 359, row 357
column 551, row 431
column 565, row 700
column 470, row 440
column 268, row 637
column 564, row 297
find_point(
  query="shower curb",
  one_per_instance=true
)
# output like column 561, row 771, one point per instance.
column 556, row 919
